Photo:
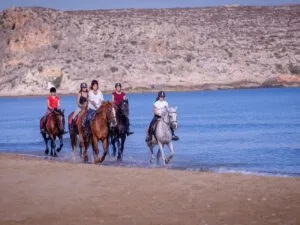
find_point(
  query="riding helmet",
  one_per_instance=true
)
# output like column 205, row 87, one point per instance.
column 94, row 82
column 161, row 94
column 118, row 85
column 52, row 90
column 83, row 85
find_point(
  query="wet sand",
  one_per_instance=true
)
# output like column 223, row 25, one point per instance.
column 35, row 191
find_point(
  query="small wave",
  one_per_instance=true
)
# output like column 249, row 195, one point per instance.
column 259, row 173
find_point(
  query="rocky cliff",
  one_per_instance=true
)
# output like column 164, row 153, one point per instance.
column 191, row 48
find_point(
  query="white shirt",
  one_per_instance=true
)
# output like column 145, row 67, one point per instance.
column 98, row 98
column 161, row 106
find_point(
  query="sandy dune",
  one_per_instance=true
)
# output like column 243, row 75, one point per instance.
column 49, row 192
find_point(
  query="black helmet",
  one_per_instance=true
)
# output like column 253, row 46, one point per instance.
column 118, row 85
column 83, row 85
column 161, row 94
column 52, row 90
column 94, row 82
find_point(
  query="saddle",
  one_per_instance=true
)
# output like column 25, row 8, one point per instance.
column 43, row 122
column 87, row 121
column 73, row 121
column 152, row 128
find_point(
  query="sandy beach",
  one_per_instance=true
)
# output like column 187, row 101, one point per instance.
column 37, row 191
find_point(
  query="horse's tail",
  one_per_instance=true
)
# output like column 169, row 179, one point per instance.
column 70, row 118
column 42, row 122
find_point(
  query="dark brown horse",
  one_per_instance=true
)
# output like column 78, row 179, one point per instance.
column 54, row 127
column 118, row 135
column 105, row 118
column 74, row 129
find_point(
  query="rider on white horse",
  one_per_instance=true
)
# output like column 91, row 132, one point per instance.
column 160, row 106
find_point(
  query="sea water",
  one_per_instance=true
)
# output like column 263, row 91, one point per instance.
column 247, row 131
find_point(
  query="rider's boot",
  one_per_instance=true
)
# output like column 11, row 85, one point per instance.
column 129, row 132
column 174, row 137
column 127, row 124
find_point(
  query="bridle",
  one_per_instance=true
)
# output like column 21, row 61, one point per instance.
column 111, row 115
column 170, row 121
column 59, row 121
column 120, row 108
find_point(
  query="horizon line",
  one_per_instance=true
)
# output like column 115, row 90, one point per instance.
column 153, row 8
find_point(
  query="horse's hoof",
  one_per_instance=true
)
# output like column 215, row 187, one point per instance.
column 85, row 159
column 55, row 155
column 46, row 152
column 58, row 149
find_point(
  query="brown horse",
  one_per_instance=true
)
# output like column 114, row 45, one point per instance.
column 105, row 118
column 74, row 129
column 53, row 128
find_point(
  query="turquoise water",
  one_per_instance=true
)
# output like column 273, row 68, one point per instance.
column 248, row 131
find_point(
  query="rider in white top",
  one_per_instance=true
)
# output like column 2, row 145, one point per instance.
column 160, row 106
column 95, row 99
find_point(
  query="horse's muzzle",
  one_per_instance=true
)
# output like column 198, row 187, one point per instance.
column 174, row 125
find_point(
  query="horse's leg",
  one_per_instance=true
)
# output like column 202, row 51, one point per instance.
column 119, row 148
column 61, row 143
column 113, row 143
column 73, row 138
column 84, row 147
column 161, row 149
column 151, row 153
column 158, row 155
column 95, row 148
column 46, row 143
column 105, row 146
column 80, row 147
column 53, row 150
column 123, row 139
column 172, row 152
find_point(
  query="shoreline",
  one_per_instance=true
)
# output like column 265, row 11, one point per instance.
column 204, row 87
column 114, row 164
column 50, row 192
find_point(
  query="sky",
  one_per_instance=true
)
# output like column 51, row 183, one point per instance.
column 117, row 4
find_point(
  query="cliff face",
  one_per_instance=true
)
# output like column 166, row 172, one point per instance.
column 222, row 47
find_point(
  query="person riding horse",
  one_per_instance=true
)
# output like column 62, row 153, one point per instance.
column 53, row 104
column 117, row 97
column 52, row 123
column 160, row 106
column 95, row 99
column 82, row 98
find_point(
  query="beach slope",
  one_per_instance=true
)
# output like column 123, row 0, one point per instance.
column 35, row 191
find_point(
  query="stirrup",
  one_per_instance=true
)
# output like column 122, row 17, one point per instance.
column 129, row 133
column 175, row 138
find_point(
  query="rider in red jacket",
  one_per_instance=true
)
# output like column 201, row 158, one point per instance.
column 53, row 103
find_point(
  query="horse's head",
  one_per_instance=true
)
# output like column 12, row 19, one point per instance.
column 123, row 108
column 60, row 119
column 110, row 113
column 172, row 114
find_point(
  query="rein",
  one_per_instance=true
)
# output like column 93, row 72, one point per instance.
column 57, row 119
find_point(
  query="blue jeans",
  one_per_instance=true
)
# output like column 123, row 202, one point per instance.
column 89, row 116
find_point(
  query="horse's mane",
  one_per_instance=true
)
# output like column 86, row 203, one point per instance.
column 103, row 107
column 172, row 109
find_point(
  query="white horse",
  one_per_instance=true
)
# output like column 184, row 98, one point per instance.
column 163, row 135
